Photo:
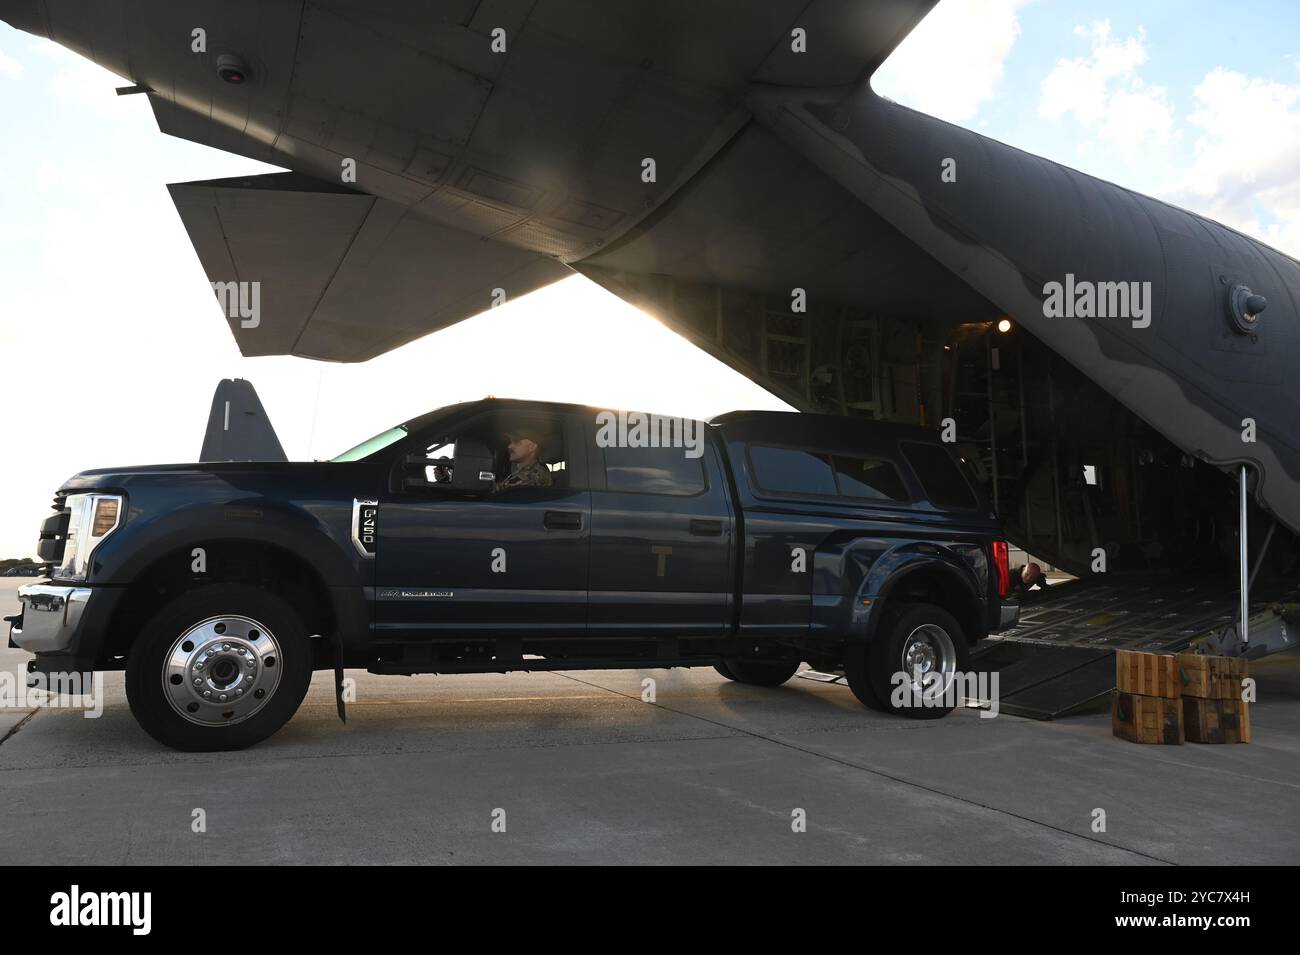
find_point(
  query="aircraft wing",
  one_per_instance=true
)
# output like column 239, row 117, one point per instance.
column 477, row 166
column 684, row 154
column 340, row 275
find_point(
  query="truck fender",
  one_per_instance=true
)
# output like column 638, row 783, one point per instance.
column 871, row 598
column 139, row 544
column 122, row 559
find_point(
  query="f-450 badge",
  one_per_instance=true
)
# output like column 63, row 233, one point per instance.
column 365, row 527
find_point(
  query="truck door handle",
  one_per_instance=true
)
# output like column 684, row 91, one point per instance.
column 706, row 528
column 563, row 520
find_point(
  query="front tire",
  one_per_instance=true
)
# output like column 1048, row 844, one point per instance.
column 219, row 668
column 914, row 640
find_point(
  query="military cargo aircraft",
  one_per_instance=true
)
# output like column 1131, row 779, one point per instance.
column 1119, row 370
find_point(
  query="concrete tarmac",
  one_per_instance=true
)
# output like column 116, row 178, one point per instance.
column 582, row 771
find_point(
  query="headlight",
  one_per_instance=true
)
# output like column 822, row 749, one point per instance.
column 92, row 517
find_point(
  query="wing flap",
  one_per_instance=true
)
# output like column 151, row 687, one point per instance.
column 295, row 262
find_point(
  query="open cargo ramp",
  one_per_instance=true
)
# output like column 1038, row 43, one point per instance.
column 1061, row 656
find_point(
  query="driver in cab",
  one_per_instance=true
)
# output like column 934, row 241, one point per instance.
column 525, row 445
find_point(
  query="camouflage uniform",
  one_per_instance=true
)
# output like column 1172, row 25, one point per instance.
column 530, row 475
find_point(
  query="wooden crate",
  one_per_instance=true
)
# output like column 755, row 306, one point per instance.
column 1216, row 721
column 1147, row 674
column 1146, row 719
column 1211, row 678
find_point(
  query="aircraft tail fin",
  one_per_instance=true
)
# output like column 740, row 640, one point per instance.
column 238, row 428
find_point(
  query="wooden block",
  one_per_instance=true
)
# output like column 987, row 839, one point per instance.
column 1146, row 719
column 1211, row 678
column 1216, row 721
column 1147, row 674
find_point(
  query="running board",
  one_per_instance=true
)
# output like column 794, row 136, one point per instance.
column 530, row 666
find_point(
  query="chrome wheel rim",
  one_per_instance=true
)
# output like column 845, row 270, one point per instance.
column 222, row 670
column 929, row 650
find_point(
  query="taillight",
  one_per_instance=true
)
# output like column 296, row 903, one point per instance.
column 1002, row 561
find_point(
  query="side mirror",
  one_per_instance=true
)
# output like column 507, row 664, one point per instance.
column 472, row 467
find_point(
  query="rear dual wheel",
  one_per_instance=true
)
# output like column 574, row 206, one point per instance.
column 910, row 667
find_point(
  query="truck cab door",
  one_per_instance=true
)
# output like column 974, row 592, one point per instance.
column 662, row 542
column 479, row 562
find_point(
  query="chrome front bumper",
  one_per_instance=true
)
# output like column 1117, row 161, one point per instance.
column 49, row 618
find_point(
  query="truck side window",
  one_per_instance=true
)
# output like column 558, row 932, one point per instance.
column 653, row 471
column 875, row 479
column 790, row 469
column 939, row 476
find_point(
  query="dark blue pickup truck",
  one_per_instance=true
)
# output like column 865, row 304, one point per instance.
column 750, row 543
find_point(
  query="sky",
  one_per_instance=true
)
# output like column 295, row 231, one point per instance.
column 111, row 341
column 1195, row 102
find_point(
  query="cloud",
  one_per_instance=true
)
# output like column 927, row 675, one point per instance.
column 1104, row 93
column 10, row 67
column 1245, row 159
column 952, row 62
column 1240, row 169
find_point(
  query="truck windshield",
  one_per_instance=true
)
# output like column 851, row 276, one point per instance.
column 371, row 445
